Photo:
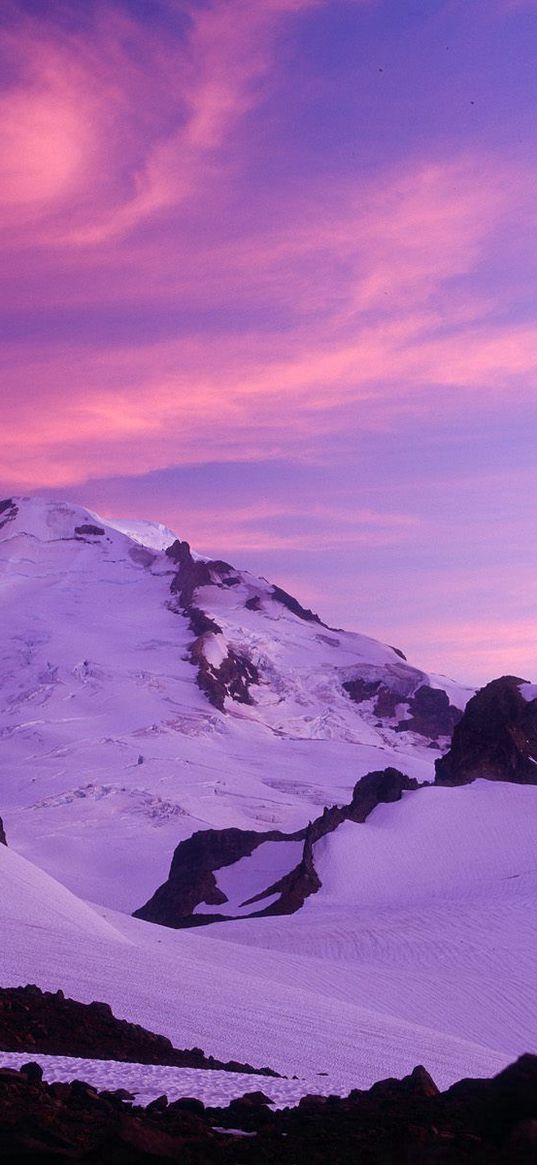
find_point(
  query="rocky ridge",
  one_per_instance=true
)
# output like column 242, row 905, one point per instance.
column 192, row 880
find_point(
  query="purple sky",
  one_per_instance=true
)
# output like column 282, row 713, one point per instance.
column 269, row 276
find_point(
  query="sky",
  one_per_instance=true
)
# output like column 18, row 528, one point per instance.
column 268, row 276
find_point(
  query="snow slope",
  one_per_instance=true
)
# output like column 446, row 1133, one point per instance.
column 112, row 754
column 379, row 971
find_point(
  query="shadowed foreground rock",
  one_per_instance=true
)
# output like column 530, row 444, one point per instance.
column 396, row 1122
column 32, row 1020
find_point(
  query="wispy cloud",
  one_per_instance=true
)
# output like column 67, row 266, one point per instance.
column 121, row 123
column 361, row 358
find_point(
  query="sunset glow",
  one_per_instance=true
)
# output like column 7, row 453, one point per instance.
column 269, row 277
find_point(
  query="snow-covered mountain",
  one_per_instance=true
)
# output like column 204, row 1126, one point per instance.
column 156, row 705
column 147, row 693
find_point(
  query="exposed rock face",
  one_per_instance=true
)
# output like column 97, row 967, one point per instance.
column 496, row 738
column 253, row 604
column 294, row 887
column 386, row 702
column 478, row 1122
column 378, row 788
column 32, row 1020
column 191, row 574
column 431, row 713
column 3, row 839
column 295, row 607
column 192, row 879
column 8, row 511
column 360, row 690
column 234, row 676
column 87, row 528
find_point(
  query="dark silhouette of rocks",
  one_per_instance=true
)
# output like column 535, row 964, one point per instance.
column 192, row 573
column 3, row 839
column 396, row 1122
column 33, row 1021
column 192, row 880
column 496, row 738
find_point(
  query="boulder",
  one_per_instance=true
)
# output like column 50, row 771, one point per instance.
column 496, row 739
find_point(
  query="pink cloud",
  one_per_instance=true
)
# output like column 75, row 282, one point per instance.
column 151, row 114
column 223, row 398
column 367, row 270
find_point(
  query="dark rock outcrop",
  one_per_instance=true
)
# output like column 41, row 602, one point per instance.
column 235, row 675
column 361, row 690
column 253, row 603
column 32, row 1020
column 496, row 738
column 294, row 887
column 8, row 511
column 396, row 1122
column 386, row 702
column 194, row 572
column 431, row 713
column 378, row 788
column 87, row 528
column 292, row 604
column 3, row 839
column 192, row 880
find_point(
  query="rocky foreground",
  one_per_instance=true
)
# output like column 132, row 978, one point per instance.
column 32, row 1020
column 396, row 1122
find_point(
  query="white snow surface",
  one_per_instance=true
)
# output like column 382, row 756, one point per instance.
column 151, row 534
column 147, row 1081
column 528, row 691
column 254, row 875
